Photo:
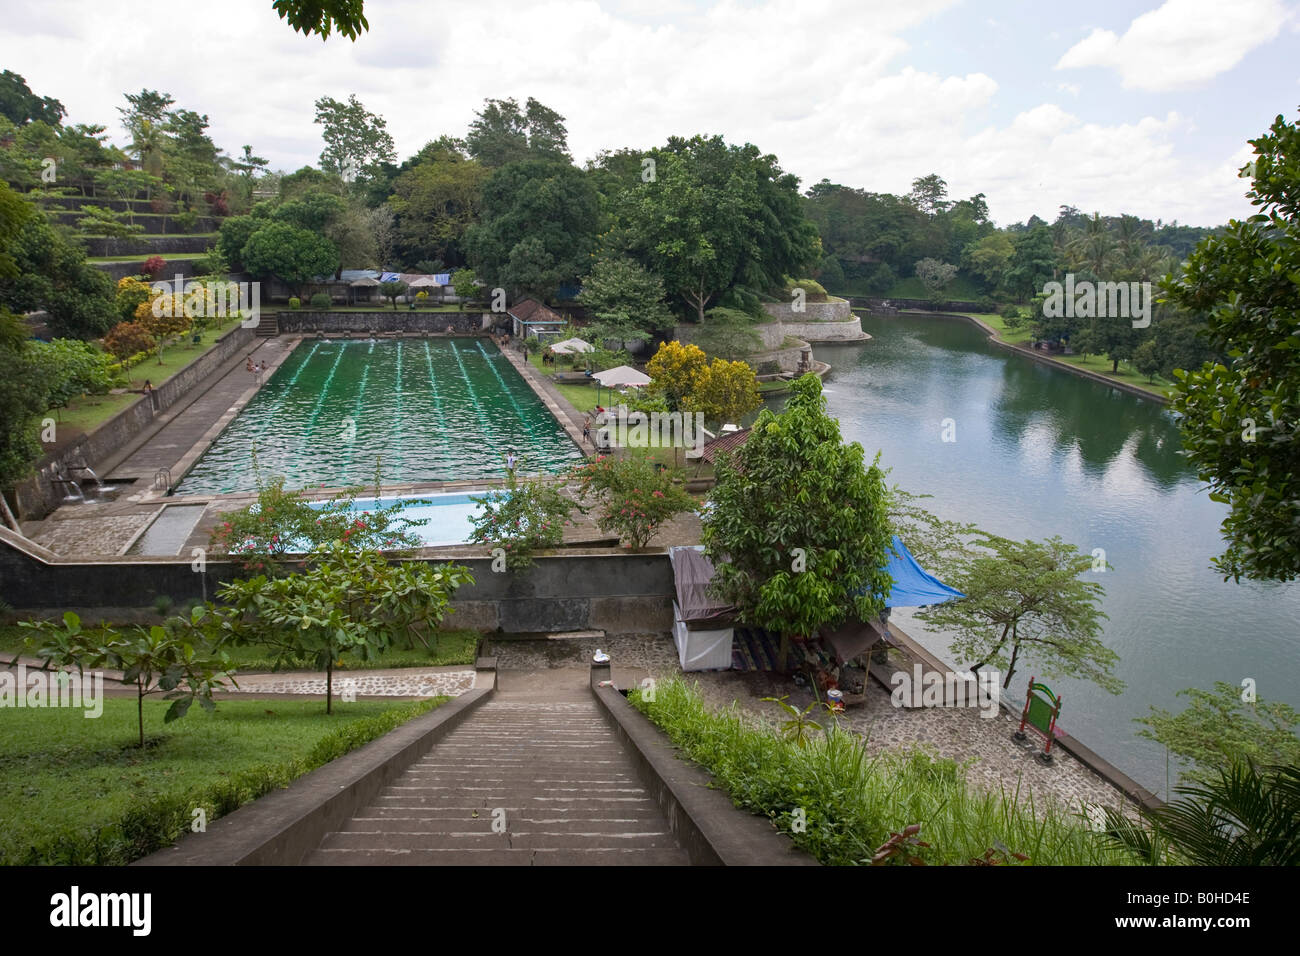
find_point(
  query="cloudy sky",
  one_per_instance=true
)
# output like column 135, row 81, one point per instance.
column 1141, row 106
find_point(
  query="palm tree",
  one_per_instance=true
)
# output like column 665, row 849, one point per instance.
column 1245, row 818
column 1092, row 247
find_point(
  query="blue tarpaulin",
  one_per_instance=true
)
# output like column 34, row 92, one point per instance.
column 913, row 586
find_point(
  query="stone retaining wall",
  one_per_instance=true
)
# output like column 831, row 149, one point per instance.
column 847, row 331
column 161, row 246
column 616, row 592
column 38, row 495
column 833, row 310
column 305, row 322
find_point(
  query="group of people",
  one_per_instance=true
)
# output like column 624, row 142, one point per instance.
column 257, row 368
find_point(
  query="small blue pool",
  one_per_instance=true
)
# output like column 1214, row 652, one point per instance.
column 448, row 515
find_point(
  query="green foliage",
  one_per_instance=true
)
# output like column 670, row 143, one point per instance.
column 798, row 531
column 357, row 141
column 391, row 290
column 522, row 518
column 501, row 133
column 322, row 16
column 155, row 659
column 812, row 289
column 102, row 221
column 346, row 599
column 436, row 200
column 234, row 235
column 728, row 334
column 1027, row 598
column 464, row 283
column 716, row 216
column 321, row 302
column 1248, row 281
column 537, row 227
column 621, row 293
column 295, row 302
column 72, row 368
column 935, row 276
column 724, row 392
column 635, row 498
column 20, row 105
column 799, row 727
column 292, row 254
column 130, row 803
column 1243, row 817
column 675, row 370
column 848, row 804
column 1219, row 726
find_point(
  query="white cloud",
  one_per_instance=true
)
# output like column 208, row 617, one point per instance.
column 1182, row 44
column 826, row 85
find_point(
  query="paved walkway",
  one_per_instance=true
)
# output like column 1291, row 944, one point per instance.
column 174, row 435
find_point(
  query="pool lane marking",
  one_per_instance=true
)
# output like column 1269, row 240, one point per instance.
column 315, row 412
column 440, row 425
column 397, row 414
column 538, row 447
column 469, row 388
column 356, row 408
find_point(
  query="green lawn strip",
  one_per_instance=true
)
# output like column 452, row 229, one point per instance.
column 582, row 397
column 76, row 791
column 841, row 805
column 90, row 411
column 375, row 307
column 1092, row 363
column 448, row 647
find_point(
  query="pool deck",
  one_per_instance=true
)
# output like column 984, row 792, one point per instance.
column 561, row 409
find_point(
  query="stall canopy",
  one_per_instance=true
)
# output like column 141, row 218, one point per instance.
column 623, row 375
column 913, row 585
column 692, row 572
column 572, row 345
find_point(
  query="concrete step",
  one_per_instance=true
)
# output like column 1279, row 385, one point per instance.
column 598, row 856
column 522, row 822
column 523, row 840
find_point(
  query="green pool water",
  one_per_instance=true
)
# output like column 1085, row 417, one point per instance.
column 435, row 410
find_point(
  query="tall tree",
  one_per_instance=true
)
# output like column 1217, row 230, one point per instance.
column 436, row 200
column 20, row 105
column 537, row 227
column 714, row 216
column 1241, row 421
column 502, row 133
column 356, row 140
column 929, row 194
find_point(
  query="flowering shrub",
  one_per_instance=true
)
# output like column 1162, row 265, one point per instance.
column 128, row 339
column 635, row 498
column 153, row 267
column 521, row 518
column 131, row 292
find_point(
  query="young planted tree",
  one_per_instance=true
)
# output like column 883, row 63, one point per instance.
column 170, row 660
column 799, row 531
column 1027, row 599
column 935, row 276
column 391, row 290
column 523, row 517
column 346, row 600
column 465, row 285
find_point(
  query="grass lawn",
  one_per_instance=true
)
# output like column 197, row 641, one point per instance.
column 77, row 791
column 90, row 411
column 190, row 257
column 449, row 646
column 581, row 397
column 1092, row 363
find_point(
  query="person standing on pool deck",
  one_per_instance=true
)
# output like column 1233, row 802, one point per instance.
column 586, row 429
column 511, row 461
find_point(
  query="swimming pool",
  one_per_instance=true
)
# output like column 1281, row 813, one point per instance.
column 433, row 410
column 448, row 515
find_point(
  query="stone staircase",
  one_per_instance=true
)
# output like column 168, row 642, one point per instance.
column 533, row 777
column 268, row 325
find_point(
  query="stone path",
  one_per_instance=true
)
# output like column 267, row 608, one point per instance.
column 534, row 777
column 395, row 682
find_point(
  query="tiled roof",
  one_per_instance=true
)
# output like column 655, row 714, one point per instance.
column 724, row 443
column 530, row 310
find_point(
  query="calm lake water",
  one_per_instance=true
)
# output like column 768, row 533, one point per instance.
column 1039, row 452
